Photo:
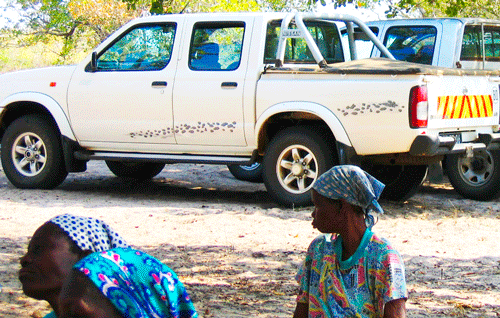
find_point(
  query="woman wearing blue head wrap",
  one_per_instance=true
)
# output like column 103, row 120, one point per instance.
column 55, row 247
column 124, row 282
column 348, row 270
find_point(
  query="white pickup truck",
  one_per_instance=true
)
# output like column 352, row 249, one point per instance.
column 463, row 43
column 241, row 88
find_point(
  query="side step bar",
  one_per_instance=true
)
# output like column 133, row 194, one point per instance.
column 166, row 158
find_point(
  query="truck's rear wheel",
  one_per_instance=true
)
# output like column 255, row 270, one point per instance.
column 135, row 170
column 32, row 157
column 401, row 182
column 476, row 178
column 295, row 158
column 251, row 173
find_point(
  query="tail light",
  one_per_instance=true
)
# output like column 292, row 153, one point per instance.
column 418, row 107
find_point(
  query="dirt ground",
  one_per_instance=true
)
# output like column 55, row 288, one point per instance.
column 237, row 252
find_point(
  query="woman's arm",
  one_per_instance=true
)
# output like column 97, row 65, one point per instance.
column 395, row 309
column 301, row 311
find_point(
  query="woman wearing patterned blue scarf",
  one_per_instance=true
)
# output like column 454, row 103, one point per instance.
column 55, row 247
column 348, row 270
column 124, row 283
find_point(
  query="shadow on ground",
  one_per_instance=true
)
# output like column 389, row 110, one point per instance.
column 224, row 282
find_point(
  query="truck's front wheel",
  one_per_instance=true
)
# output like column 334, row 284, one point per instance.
column 295, row 158
column 135, row 170
column 32, row 157
column 476, row 177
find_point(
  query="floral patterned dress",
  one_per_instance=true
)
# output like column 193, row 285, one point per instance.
column 357, row 287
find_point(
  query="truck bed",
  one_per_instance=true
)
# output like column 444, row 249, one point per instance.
column 386, row 67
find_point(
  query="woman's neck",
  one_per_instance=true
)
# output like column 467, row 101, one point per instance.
column 352, row 237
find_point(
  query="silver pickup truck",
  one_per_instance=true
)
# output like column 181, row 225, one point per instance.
column 273, row 88
column 460, row 43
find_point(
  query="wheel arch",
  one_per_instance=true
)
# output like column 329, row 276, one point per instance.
column 289, row 114
column 21, row 104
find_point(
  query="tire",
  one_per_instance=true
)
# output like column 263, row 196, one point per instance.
column 476, row 178
column 32, row 156
column 135, row 170
column 251, row 173
column 401, row 182
column 290, row 183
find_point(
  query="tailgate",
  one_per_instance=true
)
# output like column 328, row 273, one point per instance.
column 462, row 102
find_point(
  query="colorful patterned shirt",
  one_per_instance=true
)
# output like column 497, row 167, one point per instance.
column 357, row 287
column 137, row 284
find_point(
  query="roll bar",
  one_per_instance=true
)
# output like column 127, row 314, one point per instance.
column 302, row 32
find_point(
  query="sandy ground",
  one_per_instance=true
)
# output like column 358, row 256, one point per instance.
column 237, row 252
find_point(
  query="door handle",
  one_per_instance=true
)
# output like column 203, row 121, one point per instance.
column 229, row 84
column 159, row 84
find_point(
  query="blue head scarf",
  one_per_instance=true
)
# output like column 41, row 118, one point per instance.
column 137, row 284
column 355, row 186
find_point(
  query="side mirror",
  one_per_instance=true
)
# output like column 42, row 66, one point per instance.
column 93, row 62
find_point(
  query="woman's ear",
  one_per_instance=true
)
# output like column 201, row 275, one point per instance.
column 344, row 204
column 348, row 208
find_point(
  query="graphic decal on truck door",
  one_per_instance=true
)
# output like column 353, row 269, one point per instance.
column 185, row 129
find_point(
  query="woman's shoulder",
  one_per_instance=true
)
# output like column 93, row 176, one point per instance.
column 324, row 239
column 382, row 249
column 380, row 242
column 322, row 242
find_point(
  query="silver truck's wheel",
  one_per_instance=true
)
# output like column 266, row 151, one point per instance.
column 295, row 158
column 297, row 169
column 31, row 153
column 251, row 173
column 476, row 178
column 135, row 170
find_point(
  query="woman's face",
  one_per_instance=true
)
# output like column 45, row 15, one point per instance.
column 47, row 263
column 327, row 214
column 80, row 298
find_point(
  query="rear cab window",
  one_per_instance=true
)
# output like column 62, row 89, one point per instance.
column 363, row 45
column 492, row 43
column 473, row 42
column 412, row 44
column 325, row 34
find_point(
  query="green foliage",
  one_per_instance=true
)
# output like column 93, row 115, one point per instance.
column 79, row 25
column 16, row 56
column 446, row 8
column 86, row 23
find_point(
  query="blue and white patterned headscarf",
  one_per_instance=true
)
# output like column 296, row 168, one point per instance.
column 355, row 186
column 88, row 233
column 137, row 284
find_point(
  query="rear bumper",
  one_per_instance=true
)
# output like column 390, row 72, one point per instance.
column 425, row 145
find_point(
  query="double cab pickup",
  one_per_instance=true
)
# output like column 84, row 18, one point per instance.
column 238, row 89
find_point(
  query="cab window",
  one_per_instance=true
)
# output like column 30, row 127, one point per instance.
column 325, row 34
column 216, row 46
column 492, row 43
column 473, row 41
column 472, row 44
column 411, row 44
column 362, row 43
column 143, row 48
